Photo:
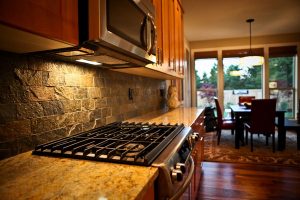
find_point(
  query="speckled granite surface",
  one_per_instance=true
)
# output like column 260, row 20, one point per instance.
column 179, row 115
column 27, row 176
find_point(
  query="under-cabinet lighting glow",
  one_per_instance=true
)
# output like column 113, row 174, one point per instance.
column 88, row 62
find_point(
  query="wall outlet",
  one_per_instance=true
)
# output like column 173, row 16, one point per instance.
column 162, row 92
column 130, row 94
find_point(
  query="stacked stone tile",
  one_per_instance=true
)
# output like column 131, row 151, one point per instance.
column 42, row 100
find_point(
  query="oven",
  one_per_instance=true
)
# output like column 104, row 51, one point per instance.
column 167, row 147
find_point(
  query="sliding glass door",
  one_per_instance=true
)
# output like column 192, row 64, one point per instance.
column 282, row 64
column 240, row 80
column 244, row 79
column 206, row 81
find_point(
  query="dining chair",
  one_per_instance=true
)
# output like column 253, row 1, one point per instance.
column 245, row 99
column 226, row 124
column 262, row 120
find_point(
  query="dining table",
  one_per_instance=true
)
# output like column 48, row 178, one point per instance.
column 241, row 113
column 293, row 125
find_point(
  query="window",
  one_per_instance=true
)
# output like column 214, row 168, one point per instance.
column 245, row 80
column 240, row 79
column 206, row 65
column 282, row 78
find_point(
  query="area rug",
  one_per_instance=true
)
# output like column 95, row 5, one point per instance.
column 262, row 154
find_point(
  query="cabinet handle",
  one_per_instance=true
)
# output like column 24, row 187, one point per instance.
column 158, row 56
column 161, row 56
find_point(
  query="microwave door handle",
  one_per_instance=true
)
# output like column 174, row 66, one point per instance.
column 149, row 35
column 153, row 36
column 143, row 32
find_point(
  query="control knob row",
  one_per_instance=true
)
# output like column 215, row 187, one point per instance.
column 178, row 171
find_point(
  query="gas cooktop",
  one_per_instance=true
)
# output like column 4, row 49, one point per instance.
column 119, row 142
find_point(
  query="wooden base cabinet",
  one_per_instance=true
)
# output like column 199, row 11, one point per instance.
column 198, row 156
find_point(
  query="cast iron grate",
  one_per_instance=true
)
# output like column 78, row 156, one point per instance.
column 119, row 142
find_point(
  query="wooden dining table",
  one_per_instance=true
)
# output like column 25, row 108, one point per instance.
column 240, row 113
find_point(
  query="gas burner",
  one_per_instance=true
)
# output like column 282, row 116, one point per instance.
column 131, row 143
column 130, row 149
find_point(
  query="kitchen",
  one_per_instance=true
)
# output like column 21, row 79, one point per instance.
column 44, row 98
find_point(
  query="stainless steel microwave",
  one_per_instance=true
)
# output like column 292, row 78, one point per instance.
column 129, row 24
column 123, row 26
column 114, row 34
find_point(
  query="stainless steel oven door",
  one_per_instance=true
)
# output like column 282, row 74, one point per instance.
column 187, row 180
column 176, row 167
column 168, row 186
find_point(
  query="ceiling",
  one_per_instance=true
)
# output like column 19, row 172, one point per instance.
column 220, row 19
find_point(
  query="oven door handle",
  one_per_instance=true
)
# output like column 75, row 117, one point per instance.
column 187, row 182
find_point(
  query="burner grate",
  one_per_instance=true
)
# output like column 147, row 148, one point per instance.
column 129, row 143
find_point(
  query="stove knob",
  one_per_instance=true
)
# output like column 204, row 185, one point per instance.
column 181, row 167
column 177, row 175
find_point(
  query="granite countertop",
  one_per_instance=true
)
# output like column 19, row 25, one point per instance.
column 179, row 115
column 27, row 176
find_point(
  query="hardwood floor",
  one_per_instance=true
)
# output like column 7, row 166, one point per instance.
column 248, row 181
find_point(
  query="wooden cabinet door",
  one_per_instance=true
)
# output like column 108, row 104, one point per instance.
column 177, row 35
column 181, row 43
column 166, row 33
column 169, row 26
column 172, row 34
column 159, row 31
column 53, row 19
column 179, row 54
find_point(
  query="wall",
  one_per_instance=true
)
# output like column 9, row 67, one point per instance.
column 42, row 100
column 244, row 42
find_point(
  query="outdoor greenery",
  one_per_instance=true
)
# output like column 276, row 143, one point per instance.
column 281, row 70
column 205, row 81
column 250, row 79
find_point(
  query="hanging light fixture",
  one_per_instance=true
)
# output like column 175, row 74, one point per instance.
column 235, row 73
column 250, row 59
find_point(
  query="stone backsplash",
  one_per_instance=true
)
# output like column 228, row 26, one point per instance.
column 43, row 100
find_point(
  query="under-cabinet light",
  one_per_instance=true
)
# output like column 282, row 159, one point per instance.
column 89, row 62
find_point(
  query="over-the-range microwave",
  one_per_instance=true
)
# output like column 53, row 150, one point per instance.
column 113, row 34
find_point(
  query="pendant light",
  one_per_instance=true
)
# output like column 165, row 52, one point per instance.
column 251, row 60
column 235, row 73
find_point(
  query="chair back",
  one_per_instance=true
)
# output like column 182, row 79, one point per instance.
column 246, row 99
column 262, row 117
column 219, row 112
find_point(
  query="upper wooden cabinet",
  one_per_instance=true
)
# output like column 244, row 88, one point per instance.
column 54, row 20
column 169, row 22
column 179, row 38
column 39, row 25
column 159, row 30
